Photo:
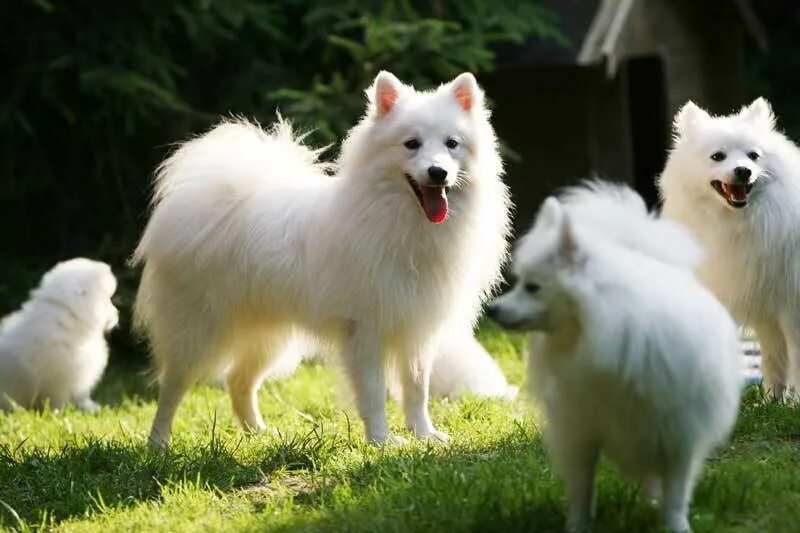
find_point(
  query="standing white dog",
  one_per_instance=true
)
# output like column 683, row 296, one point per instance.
column 249, row 237
column 735, row 181
column 635, row 357
column 53, row 349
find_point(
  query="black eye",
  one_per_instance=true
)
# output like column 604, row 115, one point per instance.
column 412, row 144
column 718, row 156
column 531, row 288
column 753, row 155
column 451, row 143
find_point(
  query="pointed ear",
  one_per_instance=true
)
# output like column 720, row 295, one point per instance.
column 466, row 91
column 759, row 111
column 550, row 213
column 568, row 246
column 385, row 92
column 687, row 117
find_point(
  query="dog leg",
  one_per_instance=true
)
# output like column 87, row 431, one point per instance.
column 678, row 483
column 244, row 380
column 85, row 403
column 790, row 326
column 364, row 362
column 579, row 464
column 774, row 363
column 415, row 373
column 173, row 388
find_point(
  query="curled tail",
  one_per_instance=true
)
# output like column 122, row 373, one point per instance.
column 623, row 215
column 209, row 174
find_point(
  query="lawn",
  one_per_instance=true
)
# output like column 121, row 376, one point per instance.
column 72, row 471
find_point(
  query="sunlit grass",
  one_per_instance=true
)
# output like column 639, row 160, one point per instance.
column 73, row 471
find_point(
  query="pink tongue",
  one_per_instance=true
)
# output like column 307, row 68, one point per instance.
column 737, row 192
column 434, row 203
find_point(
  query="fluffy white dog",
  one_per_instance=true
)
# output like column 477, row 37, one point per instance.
column 735, row 181
column 460, row 366
column 635, row 358
column 53, row 349
column 249, row 237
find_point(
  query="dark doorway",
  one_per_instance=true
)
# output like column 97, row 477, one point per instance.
column 647, row 106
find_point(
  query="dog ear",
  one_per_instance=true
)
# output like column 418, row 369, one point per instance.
column 568, row 246
column 550, row 212
column 466, row 91
column 759, row 111
column 687, row 117
column 385, row 91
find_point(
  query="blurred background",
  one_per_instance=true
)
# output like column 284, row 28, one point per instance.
column 94, row 93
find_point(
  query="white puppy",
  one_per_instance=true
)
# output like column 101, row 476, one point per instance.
column 735, row 182
column 250, row 238
column 53, row 349
column 635, row 357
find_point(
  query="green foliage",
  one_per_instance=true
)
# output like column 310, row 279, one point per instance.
column 95, row 92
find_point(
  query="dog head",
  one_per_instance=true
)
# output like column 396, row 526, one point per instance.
column 425, row 141
column 723, row 159
column 83, row 286
column 542, row 262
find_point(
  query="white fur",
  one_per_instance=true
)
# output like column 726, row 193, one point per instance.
column 53, row 350
column 460, row 366
column 635, row 357
column 249, row 238
column 752, row 253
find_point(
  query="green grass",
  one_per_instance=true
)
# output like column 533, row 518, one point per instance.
column 72, row 471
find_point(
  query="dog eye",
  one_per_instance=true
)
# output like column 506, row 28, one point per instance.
column 753, row 155
column 531, row 288
column 718, row 156
column 451, row 143
column 412, row 144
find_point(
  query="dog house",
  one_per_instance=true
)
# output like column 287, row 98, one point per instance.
column 603, row 104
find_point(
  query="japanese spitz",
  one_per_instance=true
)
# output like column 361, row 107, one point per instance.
column 461, row 365
column 250, row 237
column 53, row 349
column 634, row 356
column 735, row 182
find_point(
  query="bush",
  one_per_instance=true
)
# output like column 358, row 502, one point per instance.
column 95, row 92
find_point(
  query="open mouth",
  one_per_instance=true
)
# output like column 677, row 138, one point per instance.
column 433, row 200
column 733, row 193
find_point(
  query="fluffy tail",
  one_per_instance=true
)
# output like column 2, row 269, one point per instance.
column 623, row 215
column 209, row 174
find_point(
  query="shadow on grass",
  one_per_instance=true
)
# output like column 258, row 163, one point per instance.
column 46, row 486
column 508, row 486
column 51, row 485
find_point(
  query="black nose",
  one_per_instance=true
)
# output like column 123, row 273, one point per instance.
column 742, row 173
column 492, row 311
column 437, row 174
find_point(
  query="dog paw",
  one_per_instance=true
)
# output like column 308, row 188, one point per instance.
column 434, row 435
column 255, row 427
column 88, row 405
column 157, row 442
column 389, row 439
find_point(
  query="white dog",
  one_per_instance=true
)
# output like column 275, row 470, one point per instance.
column 249, row 237
column 735, row 181
column 460, row 366
column 53, row 349
column 635, row 357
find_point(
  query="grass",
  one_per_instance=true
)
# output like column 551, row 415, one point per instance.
column 72, row 471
